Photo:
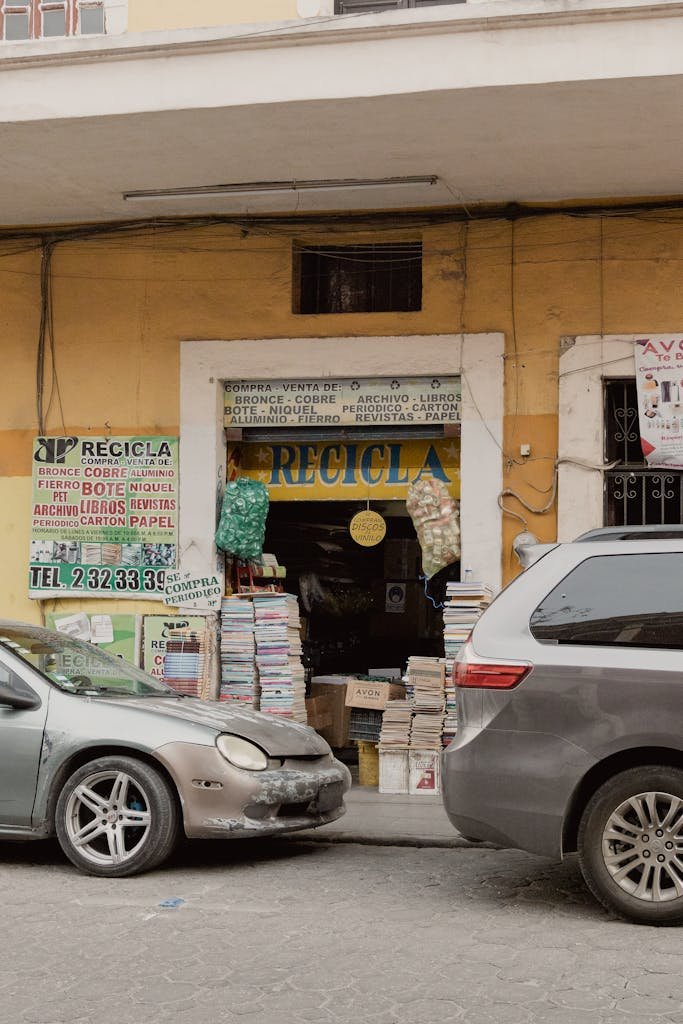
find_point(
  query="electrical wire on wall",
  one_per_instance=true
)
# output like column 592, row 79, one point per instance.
column 28, row 239
column 24, row 241
column 509, row 493
column 289, row 228
column 46, row 345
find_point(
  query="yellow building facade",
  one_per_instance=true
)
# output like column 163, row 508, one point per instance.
column 150, row 15
column 122, row 305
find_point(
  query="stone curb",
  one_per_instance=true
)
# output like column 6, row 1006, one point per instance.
column 331, row 838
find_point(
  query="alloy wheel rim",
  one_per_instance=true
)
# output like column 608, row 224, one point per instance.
column 642, row 846
column 108, row 818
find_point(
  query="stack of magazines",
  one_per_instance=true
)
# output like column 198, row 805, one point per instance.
column 278, row 655
column 464, row 604
column 185, row 661
column 239, row 678
column 396, row 724
column 427, row 678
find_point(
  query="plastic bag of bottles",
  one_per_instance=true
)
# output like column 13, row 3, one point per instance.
column 242, row 526
column 436, row 518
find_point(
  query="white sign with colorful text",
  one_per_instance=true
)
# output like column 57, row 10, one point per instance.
column 342, row 402
column 659, row 380
column 186, row 589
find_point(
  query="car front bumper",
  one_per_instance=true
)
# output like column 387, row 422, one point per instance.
column 220, row 801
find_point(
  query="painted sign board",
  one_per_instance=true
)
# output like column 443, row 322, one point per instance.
column 659, row 384
column 118, row 635
column 395, row 598
column 187, row 589
column 368, row 528
column 340, row 470
column 157, row 631
column 104, row 516
column 342, row 401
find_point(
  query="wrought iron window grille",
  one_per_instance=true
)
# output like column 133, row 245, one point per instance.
column 633, row 494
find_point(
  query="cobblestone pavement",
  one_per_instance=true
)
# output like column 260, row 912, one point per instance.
column 291, row 932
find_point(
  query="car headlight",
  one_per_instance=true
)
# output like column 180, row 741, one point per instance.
column 242, row 753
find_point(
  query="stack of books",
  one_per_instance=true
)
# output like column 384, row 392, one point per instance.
column 396, row 724
column 464, row 604
column 450, row 725
column 295, row 656
column 268, row 568
column 278, row 655
column 239, row 678
column 185, row 661
column 427, row 678
column 427, row 731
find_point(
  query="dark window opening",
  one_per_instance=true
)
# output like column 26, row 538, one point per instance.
column 634, row 494
column 381, row 278
column 616, row 601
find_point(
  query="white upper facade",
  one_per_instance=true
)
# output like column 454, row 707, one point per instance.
column 482, row 102
column 22, row 20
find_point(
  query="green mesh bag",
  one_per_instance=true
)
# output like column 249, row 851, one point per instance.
column 242, row 525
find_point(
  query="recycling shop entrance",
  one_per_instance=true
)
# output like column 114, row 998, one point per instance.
column 327, row 450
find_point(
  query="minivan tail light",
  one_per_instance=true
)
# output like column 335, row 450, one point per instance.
column 490, row 677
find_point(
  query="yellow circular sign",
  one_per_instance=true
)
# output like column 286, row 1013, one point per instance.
column 368, row 528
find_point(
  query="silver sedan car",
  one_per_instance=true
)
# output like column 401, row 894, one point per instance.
column 116, row 763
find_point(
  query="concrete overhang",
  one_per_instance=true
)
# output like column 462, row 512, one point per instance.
column 514, row 100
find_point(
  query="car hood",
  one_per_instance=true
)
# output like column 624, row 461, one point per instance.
column 276, row 737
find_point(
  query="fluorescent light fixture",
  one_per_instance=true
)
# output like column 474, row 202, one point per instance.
column 273, row 188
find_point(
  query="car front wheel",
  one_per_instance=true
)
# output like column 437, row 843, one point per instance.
column 116, row 816
column 631, row 845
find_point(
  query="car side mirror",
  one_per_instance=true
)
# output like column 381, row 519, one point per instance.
column 10, row 698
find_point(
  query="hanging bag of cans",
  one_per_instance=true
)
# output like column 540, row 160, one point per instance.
column 242, row 526
column 436, row 518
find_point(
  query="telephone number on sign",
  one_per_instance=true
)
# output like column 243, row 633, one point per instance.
column 89, row 578
column 104, row 578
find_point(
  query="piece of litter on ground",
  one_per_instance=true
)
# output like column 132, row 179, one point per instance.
column 172, row 902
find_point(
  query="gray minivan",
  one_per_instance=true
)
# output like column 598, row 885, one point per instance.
column 570, row 703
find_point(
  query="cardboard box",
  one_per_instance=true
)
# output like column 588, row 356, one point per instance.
column 393, row 771
column 426, row 675
column 333, row 688
column 362, row 694
column 424, row 772
column 319, row 712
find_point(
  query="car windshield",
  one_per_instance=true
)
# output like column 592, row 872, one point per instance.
column 78, row 667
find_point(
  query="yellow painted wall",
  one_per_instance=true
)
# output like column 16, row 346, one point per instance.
column 122, row 305
column 149, row 15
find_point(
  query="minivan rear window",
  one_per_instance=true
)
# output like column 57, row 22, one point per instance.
column 616, row 600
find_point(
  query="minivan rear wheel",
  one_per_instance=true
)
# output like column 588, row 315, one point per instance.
column 630, row 845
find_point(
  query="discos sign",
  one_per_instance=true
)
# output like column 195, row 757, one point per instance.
column 368, row 528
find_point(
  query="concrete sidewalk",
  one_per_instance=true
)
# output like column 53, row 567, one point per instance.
column 382, row 819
